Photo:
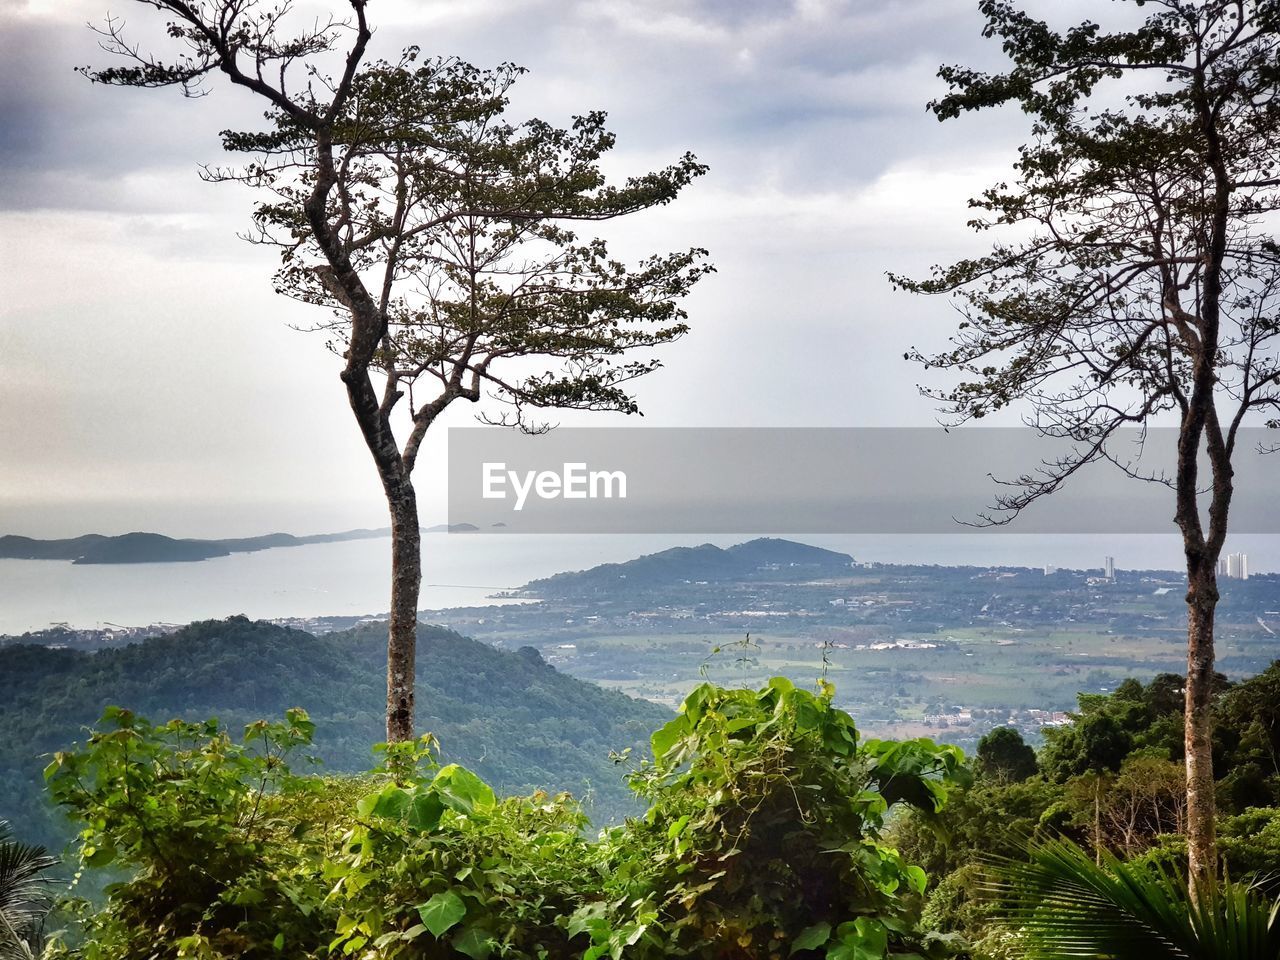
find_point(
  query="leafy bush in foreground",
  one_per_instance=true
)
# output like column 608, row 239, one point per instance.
column 763, row 839
column 219, row 838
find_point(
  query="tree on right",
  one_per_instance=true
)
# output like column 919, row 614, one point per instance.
column 1140, row 281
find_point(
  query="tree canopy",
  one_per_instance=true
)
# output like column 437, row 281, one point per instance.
column 1137, row 276
column 436, row 234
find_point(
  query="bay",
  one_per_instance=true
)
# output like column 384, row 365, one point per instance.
column 351, row 578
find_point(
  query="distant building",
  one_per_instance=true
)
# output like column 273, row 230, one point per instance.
column 1235, row 566
column 1109, row 568
column 1050, row 570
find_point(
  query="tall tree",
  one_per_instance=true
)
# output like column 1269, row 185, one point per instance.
column 437, row 234
column 1005, row 757
column 1141, row 283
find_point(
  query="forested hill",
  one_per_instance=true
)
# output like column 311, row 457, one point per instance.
column 764, row 558
column 509, row 716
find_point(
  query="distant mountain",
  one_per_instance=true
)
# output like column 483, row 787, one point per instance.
column 157, row 548
column 25, row 548
column 765, row 558
column 150, row 548
column 509, row 716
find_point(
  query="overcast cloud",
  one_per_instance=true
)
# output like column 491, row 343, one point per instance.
column 150, row 379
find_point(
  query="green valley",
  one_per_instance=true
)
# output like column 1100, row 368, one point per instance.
column 507, row 715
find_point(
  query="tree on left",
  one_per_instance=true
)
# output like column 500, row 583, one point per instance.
column 437, row 235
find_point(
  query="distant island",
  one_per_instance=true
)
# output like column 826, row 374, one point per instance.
column 157, row 548
column 765, row 557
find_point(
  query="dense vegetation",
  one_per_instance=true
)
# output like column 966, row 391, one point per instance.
column 509, row 716
column 1113, row 781
column 763, row 836
column 772, row 829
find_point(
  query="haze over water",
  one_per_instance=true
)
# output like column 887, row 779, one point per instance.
column 352, row 578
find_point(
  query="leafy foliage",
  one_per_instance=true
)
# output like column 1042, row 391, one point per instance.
column 510, row 716
column 1004, row 755
column 1135, row 278
column 990, row 817
column 215, row 832
column 1125, row 803
column 763, row 838
column 1139, row 257
column 436, row 865
column 464, row 220
column 765, row 827
column 25, row 896
column 1064, row 904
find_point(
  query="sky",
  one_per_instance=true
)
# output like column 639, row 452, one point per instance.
column 150, row 379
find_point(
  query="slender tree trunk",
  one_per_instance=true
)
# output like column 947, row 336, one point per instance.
column 406, row 551
column 402, row 635
column 1202, row 600
column 368, row 328
column 1097, row 820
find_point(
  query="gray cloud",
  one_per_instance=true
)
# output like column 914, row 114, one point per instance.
column 812, row 92
column 142, row 352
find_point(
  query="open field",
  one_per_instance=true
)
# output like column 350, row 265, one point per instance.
column 912, row 650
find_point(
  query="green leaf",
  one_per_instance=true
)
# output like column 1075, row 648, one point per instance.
column 668, row 735
column 299, row 721
column 425, row 810
column 475, row 942
column 864, row 939
column 586, row 918
column 100, row 856
column 442, row 912
column 463, row 791
column 391, row 801
column 917, row 878
column 808, row 715
column 810, row 938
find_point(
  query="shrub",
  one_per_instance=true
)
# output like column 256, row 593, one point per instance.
column 763, row 839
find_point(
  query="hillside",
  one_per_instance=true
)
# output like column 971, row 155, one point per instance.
column 764, row 558
column 512, row 718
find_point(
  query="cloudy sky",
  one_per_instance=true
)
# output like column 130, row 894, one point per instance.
column 149, row 378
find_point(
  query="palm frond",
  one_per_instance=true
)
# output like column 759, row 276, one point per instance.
column 24, row 894
column 1061, row 904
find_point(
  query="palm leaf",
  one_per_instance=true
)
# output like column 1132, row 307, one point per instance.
column 1061, row 904
column 24, row 894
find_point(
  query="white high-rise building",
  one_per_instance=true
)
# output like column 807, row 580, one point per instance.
column 1110, row 568
column 1235, row 566
column 1050, row 570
